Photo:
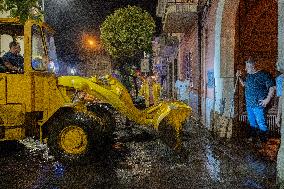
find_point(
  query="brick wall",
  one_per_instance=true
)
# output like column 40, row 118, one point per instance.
column 255, row 34
column 257, row 37
column 209, row 36
column 189, row 45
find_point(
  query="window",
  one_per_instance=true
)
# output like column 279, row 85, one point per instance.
column 39, row 58
column 188, row 69
column 11, row 32
column 51, row 49
column 8, row 33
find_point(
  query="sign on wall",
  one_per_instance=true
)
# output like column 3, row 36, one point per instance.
column 145, row 65
column 210, row 79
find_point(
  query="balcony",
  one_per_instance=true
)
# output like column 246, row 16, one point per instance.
column 179, row 17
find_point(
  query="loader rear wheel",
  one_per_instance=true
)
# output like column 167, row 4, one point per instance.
column 73, row 138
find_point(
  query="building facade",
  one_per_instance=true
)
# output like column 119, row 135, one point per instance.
column 94, row 64
column 165, row 64
column 215, row 38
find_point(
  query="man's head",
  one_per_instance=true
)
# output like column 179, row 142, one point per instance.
column 15, row 47
column 151, row 78
column 181, row 77
column 250, row 66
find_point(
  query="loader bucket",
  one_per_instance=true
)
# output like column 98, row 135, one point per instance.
column 167, row 116
column 169, row 119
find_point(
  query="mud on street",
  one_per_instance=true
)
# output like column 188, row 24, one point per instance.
column 140, row 159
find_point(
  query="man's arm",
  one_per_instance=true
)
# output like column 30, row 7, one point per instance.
column 6, row 60
column 270, row 83
column 242, row 82
column 239, row 74
column 271, row 93
column 10, row 66
column 160, row 88
column 188, row 86
column 269, row 97
column 141, row 91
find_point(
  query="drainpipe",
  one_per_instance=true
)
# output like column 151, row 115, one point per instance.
column 199, row 38
column 42, row 5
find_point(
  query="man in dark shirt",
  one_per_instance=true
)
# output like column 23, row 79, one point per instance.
column 259, row 89
column 13, row 61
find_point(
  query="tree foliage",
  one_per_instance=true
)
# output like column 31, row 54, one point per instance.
column 23, row 9
column 127, row 32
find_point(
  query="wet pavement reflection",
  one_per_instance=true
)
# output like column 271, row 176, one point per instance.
column 140, row 159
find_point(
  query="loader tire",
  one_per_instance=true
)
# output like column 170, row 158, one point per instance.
column 74, row 138
column 106, row 115
column 168, row 134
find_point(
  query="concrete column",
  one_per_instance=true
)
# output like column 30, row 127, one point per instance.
column 217, row 55
column 224, row 67
column 280, row 157
column 280, row 62
column 219, row 125
column 280, row 67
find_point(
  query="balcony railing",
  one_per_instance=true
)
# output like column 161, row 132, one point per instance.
column 179, row 15
column 181, row 7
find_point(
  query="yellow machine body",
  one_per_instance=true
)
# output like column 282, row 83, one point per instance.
column 109, row 90
column 28, row 100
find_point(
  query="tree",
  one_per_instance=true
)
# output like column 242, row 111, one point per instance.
column 127, row 32
column 125, row 35
column 23, row 9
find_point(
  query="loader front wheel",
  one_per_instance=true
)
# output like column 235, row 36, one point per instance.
column 168, row 134
column 73, row 138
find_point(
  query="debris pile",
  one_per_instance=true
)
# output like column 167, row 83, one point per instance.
column 270, row 148
column 35, row 147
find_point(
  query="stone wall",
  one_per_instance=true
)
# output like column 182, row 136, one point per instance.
column 280, row 67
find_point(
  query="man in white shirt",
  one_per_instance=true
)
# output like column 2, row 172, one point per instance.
column 182, row 89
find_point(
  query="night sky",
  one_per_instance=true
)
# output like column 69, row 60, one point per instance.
column 72, row 18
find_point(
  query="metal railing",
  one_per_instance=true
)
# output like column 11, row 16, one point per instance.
column 175, row 5
column 184, row 1
column 181, row 7
column 270, row 119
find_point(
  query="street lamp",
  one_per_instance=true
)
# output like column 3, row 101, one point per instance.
column 91, row 42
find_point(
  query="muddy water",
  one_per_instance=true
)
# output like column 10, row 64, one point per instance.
column 139, row 159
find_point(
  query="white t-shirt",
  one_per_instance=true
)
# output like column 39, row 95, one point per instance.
column 182, row 89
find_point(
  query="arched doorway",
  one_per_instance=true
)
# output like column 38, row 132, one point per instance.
column 256, row 36
column 226, row 19
column 241, row 29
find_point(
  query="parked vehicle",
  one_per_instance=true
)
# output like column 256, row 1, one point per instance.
column 35, row 102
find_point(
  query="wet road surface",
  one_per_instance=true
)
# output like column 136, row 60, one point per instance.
column 139, row 159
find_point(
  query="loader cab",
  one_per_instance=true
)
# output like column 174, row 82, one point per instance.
column 36, row 42
column 30, row 96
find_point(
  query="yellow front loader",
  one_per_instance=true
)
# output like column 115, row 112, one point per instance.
column 35, row 102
